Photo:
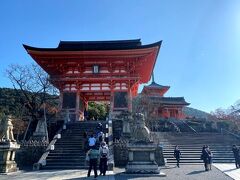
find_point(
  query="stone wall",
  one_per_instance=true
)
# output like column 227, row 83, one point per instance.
column 29, row 153
column 120, row 153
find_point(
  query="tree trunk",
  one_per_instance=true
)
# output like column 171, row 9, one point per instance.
column 45, row 119
column 25, row 134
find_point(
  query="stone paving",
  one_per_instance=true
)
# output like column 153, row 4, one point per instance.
column 229, row 169
column 185, row 172
column 54, row 175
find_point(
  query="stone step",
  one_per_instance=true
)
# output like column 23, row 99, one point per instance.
column 78, row 147
column 65, row 167
column 200, row 142
column 69, row 136
column 71, row 141
column 197, row 162
column 66, row 151
column 194, row 158
column 72, row 128
column 65, row 143
column 199, row 138
column 66, row 157
column 187, row 144
column 61, row 160
column 69, row 150
column 70, row 144
column 191, row 145
column 196, row 150
column 198, row 155
column 196, row 145
column 65, row 161
column 200, row 160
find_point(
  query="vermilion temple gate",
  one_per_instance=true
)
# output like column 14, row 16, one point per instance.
column 86, row 71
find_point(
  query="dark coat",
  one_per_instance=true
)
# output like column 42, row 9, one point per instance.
column 235, row 152
column 177, row 153
column 205, row 155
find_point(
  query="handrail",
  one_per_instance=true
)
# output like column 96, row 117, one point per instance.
column 175, row 126
column 235, row 135
column 189, row 126
column 42, row 161
column 110, row 143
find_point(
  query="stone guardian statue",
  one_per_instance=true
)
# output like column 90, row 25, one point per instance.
column 140, row 133
column 6, row 129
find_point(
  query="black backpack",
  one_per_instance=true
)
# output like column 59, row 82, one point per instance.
column 104, row 152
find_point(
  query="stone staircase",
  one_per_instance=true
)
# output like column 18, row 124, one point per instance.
column 69, row 150
column 191, row 145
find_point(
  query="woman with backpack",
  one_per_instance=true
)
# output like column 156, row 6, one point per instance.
column 104, row 154
column 93, row 155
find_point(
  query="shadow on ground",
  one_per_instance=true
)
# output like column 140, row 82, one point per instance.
column 196, row 172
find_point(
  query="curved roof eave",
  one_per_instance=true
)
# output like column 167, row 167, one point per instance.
column 112, row 45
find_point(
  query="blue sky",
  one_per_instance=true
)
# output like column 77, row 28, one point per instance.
column 199, row 57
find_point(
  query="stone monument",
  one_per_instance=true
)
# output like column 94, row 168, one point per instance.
column 41, row 131
column 126, row 118
column 141, row 151
column 8, row 146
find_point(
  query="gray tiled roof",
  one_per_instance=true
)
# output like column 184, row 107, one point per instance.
column 97, row 45
column 153, row 84
column 169, row 100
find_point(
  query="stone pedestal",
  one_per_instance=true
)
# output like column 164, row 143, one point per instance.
column 7, row 157
column 141, row 158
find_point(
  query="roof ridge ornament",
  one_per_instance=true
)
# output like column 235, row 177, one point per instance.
column 153, row 78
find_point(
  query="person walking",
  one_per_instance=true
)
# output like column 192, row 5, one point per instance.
column 93, row 155
column 177, row 155
column 100, row 136
column 91, row 141
column 85, row 134
column 104, row 155
column 210, row 156
column 205, row 157
column 235, row 151
column 100, row 127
